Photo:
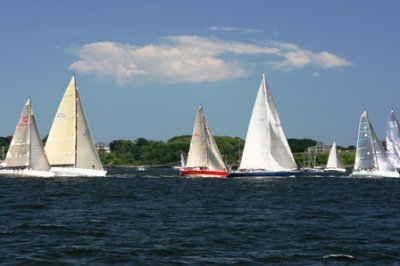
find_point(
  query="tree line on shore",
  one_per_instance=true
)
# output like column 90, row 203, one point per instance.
column 147, row 152
column 159, row 153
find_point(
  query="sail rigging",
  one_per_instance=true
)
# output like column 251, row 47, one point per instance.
column 204, row 158
column 203, row 152
column 26, row 151
column 70, row 142
column 266, row 146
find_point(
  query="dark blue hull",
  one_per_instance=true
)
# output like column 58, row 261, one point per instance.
column 264, row 174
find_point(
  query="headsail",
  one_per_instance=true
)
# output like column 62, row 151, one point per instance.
column 38, row 158
column 266, row 145
column 393, row 140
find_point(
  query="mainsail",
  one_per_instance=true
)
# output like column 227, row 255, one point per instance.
column 70, row 143
column 26, row 148
column 203, row 152
column 266, row 146
column 334, row 160
column 370, row 154
column 393, row 140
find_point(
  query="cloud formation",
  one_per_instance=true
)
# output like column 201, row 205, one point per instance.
column 235, row 29
column 188, row 58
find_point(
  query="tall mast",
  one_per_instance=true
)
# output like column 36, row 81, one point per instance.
column 267, row 112
column 30, row 132
column 76, row 121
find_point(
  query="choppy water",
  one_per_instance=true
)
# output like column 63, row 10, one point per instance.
column 158, row 218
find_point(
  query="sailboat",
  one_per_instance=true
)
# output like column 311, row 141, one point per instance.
column 335, row 163
column 204, row 159
column 70, row 147
column 266, row 151
column 371, row 159
column 393, row 140
column 26, row 155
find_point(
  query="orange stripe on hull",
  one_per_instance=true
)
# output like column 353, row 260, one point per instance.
column 203, row 173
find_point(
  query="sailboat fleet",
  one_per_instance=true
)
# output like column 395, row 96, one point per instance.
column 70, row 149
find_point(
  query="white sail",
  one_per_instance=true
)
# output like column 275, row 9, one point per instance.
column 61, row 142
column 393, row 140
column 86, row 153
column 26, row 155
column 370, row 155
column 183, row 163
column 266, row 146
column 334, row 160
column 70, row 143
column 38, row 158
column 203, row 151
column 18, row 154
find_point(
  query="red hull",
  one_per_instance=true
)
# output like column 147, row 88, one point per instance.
column 203, row 173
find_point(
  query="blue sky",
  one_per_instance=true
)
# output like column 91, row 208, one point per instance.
column 143, row 67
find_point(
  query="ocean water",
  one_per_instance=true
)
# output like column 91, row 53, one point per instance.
column 155, row 217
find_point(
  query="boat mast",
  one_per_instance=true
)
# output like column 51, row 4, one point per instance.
column 267, row 111
column 76, row 122
column 205, row 136
column 30, row 132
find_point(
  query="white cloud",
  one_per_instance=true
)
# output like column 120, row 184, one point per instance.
column 294, row 57
column 233, row 29
column 188, row 58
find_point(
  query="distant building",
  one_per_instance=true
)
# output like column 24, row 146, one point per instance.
column 103, row 147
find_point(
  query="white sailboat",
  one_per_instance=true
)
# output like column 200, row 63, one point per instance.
column 335, row 163
column 183, row 163
column 266, row 151
column 204, row 159
column 26, row 156
column 70, row 147
column 393, row 140
column 371, row 159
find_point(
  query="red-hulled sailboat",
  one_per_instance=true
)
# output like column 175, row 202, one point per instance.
column 204, row 159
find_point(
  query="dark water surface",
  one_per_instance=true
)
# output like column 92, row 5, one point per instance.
column 158, row 218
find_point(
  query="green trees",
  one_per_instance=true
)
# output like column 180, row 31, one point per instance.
column 149, row 152
column 143, row 151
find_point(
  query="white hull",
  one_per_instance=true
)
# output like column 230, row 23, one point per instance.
column 26, row 173
column 70, row 171
column 374, row 174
